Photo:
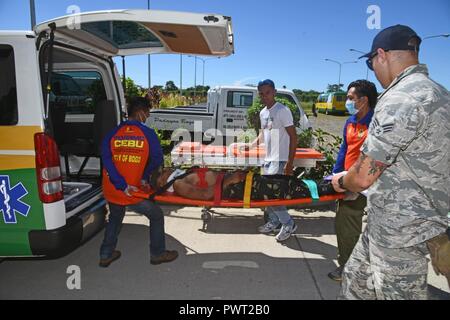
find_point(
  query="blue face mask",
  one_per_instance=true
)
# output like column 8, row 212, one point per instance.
column 351, row 107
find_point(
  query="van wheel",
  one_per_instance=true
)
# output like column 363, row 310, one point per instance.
column 327, row 112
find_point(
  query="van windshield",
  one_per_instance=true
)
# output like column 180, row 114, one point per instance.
column 77, row 91
column 287, row 97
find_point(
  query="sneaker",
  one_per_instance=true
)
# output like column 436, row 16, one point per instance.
column 167, row 256
column 104, row 263
column 285, row 232
column 336, row 275
column 269, row 227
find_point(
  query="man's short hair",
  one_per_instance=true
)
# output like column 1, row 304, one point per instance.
column 266, row 82
column 364, row 88
column 136, row 104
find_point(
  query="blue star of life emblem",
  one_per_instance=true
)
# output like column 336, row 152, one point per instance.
column 10, row 203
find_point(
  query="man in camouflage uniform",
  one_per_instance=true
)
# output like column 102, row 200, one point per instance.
column 405, row 163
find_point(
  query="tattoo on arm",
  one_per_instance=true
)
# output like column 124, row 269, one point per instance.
column 360, row 162
column 376, row 166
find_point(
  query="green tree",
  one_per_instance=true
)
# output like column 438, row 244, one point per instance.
column 335, row 87
column 133, row 90
column 170, row 86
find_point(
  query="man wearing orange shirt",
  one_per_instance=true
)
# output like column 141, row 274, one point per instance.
column 130, row 153
column 361, row 100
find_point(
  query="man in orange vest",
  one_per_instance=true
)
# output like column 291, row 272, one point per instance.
column 361, row 100
column 130, row 153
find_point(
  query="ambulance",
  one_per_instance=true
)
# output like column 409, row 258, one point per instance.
column 60, row 93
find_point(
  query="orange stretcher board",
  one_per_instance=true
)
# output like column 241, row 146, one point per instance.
column 194, row 153
column 170, row 198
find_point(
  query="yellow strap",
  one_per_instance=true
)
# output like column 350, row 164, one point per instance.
column 248, row 190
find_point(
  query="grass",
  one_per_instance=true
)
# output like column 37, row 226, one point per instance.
column 307, row 107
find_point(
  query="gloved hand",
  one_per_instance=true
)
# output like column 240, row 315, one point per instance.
column 130, row 189
column 440, row 255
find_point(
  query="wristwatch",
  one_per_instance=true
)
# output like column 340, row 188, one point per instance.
column 341, row 183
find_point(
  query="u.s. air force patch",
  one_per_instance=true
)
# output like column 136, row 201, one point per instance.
column 380, row 129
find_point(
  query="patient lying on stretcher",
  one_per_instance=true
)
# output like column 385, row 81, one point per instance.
column 202, row 184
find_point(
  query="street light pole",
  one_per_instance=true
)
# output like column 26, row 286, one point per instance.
column 446, row 35
column 32, row 14
column 195, row 78
column 340, row 68
column 181, row 74
column 203, row 60
column 367, row 68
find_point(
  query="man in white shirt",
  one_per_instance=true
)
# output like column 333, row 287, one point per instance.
column 280, row 140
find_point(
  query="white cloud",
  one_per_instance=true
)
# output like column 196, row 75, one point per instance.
column 244, row 81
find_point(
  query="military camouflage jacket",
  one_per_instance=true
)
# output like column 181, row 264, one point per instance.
column 410, row 132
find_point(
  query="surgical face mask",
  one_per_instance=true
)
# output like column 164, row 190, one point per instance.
column 351, row 107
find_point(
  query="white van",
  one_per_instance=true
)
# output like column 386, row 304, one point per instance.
column 224, row 114
column 59, row 94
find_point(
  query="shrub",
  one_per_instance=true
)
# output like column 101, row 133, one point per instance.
column 253, row 119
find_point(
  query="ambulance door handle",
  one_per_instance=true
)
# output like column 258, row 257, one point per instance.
column 229, row 120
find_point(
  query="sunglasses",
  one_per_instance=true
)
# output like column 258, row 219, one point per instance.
column 369, row 61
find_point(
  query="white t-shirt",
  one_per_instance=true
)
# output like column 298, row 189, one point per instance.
column 274, row 122
column 173, row 176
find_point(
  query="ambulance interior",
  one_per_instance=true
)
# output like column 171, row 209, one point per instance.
column 83, row 106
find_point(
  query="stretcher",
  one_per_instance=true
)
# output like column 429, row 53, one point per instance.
column 172, row 198
column 246, row 202
column 208, row 214
column 195, row 153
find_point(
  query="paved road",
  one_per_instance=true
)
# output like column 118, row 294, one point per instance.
column 228, row 260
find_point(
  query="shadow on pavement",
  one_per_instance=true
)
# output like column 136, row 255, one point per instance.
column 196, row 276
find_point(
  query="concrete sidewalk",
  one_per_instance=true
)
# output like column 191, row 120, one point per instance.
column 226, row 260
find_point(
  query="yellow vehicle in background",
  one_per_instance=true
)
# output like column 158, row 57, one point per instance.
column 332, row 103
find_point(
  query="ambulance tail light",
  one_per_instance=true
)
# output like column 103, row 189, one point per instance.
column 48, row 169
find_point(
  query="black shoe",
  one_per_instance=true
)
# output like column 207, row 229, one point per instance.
column 104, row 263
column 336, row 275
column 167, row 256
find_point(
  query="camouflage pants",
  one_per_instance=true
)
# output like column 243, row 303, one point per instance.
column 378, row 273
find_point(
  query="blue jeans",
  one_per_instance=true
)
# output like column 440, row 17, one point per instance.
column 277, row 215
column 116, row 215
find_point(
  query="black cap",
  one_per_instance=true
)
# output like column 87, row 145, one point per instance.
column 395, row 38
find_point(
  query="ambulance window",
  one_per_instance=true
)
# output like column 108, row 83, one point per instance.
column 8, row 92
column 239, row 99
column 78, row 91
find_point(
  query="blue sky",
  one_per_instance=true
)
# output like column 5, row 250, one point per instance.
column 286, row 40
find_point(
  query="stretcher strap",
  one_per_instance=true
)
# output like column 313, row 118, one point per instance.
column 248, row 190
column 312, row 186
column 218, row 189
column 201, row 174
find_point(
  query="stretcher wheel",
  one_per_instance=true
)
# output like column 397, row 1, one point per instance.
column 266, row 216
column 206, row 216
